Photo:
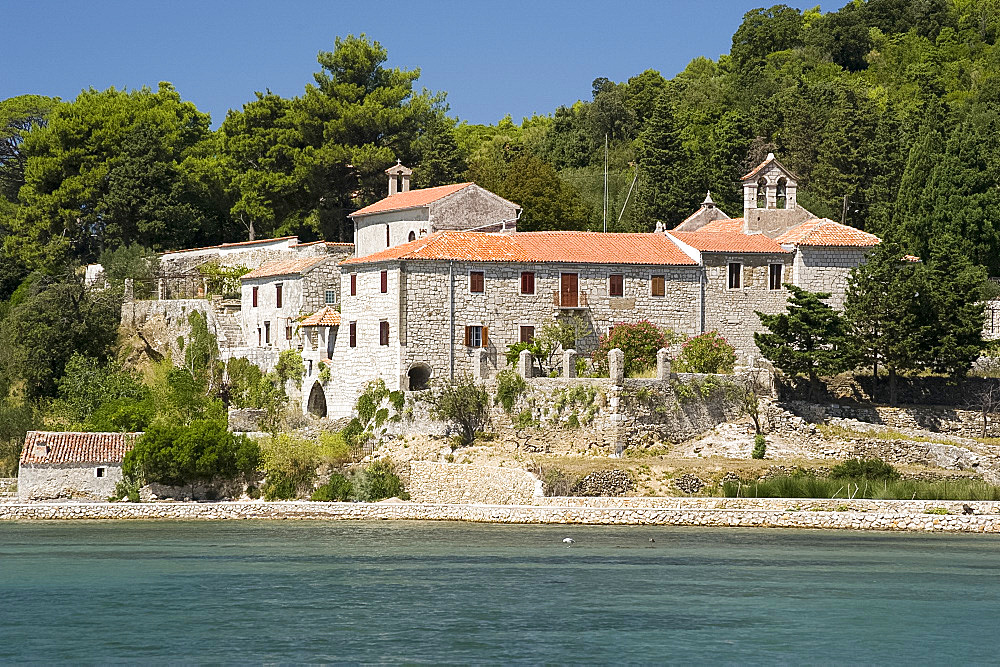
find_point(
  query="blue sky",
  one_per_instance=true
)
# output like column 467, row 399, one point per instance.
column 492, row 58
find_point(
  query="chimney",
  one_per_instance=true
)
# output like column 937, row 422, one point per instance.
column 399, row 178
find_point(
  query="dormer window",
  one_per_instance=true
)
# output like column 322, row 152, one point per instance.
column 762, row 193
column 782, row 193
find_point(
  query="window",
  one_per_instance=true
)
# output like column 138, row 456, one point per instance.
column 387, row 236
column 569, row 294
column 383, row 333
column 259, row 342
column 255, row 297
column 527, row 334
column 310, row 367
column 385, row 282
column 477, row 282
column 762, row 193
column 735, row 275
column 288, row 332
column 354, row 284
column 353, row 334
column 412, row 236
column 774, row 276
column 527, row 282
column 330, row 297
column 477, row 336
column 616, row 284
column 277, row 295
column 267, row 333
column 657, row 285
column 100, row 472
column 781, row 193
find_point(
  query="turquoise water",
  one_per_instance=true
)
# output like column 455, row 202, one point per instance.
column 251, row 592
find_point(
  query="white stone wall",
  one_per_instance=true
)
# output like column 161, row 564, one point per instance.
column 827, row 269
column 70, row 480
column 432, row 482
column 369, row 235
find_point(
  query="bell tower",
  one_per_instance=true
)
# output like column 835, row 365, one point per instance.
column 399, row 178
column 769, row 199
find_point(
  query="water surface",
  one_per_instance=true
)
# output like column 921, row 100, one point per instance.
column 269, row 591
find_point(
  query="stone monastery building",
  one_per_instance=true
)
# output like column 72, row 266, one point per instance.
column 439, row 282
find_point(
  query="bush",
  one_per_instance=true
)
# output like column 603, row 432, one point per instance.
column 639, row 342
column 557, row 482
column 759, row 447
column 337, row 489
column 379, row 481
column 870, row 469
column 179, row 455
column 464, row 404
column 806, row 486
column 706, row 353
column 510, row 385
column 290, row 367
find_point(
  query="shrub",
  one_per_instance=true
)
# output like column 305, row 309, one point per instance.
column 759, row 447
column 333, row 449
column 290, row 367
column 525, row 419
column 510, row 385
column 379, row 481
column 557, row 482
column 869, row 469
column 639, row 342
column 465, row 405
column 706, row 353
column 337, row 489
column 290, row 464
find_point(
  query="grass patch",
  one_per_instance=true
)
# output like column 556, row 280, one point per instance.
column 838, row 431
column 805, row 486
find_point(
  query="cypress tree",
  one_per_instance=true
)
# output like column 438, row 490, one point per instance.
column 664, row 193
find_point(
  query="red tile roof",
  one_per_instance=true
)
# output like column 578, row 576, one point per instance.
column 575, row 247
column 731, row 225
column 324, row 317
column 411, row 199
column 285, row 267
column 826, row 232
column 728, row 242
column 68, row 447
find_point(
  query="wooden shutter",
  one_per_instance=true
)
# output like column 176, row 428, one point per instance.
column 354, row 334
column 354, row 284
column 527, row 334
column 527, row 282
column 569, row 297
column 277, row 296
column 477, row 282
column 383, row 333
column 486, row 336
column 255, row 297
column 659, row 286
column 468, row 336
column 617, row 286
column 385, row 282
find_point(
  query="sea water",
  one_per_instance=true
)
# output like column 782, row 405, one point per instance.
column 331, row 592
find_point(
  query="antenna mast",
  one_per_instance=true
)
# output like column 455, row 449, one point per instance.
column 605, row 183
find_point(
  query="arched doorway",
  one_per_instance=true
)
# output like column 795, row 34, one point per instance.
column 418, row 375
column 317, row 401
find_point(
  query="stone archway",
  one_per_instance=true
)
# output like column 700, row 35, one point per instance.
column 317, row 400
column 418, row 376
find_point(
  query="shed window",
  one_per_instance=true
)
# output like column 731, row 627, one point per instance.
column 330, row 296
column 477, row 282
column 527, row 334
column 354, row 284
column 477, row 336
column 616, row 284
column 383, row 333
column 255, row 296
column 658, row 286
column 527, row 282
column 353, row 334
column 385, row 282
column 774, row 276
column 735, row 275
column 277, row 295
column 100, row 472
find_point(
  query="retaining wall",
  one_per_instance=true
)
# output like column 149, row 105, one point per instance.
column 432, row 482
column 884, row 519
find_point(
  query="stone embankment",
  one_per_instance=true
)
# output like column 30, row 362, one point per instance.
column 884, row 515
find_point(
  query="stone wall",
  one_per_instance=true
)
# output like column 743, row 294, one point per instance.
column 460, row 483
column 939, row 419
column 822, row 269
column 369, row 236
column 886, row 515
column 68, row 480
column 8, row 485
column 470, row 208
column 852, row 388
column 159, row 323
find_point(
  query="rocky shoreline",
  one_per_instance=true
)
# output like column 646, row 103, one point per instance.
column 921, row 516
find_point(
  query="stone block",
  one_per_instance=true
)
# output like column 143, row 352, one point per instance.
column 480, row 365
column 616, row 366
column 525, row 367
column 663, row 364
column 569, row 364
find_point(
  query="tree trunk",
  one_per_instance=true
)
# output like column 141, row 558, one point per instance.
column 892, row 386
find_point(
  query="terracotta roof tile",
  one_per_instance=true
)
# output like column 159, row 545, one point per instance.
column 285, row 267
column 69, row 447
column 826, row 232
column 731, row 225
column 324, row 317
column 576, row 247
column 411, row 199
column 729, row 242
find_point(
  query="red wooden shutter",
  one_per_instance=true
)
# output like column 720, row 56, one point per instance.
column 383, row 333
column 277, row 296
column 385, row 282
column 617, row 285
column 255, row 297
column 486, row 336
column 354, row 334
column 387, row 236
column 354, row 284
column 527, row 282
column 477, row 282
column 568, row 297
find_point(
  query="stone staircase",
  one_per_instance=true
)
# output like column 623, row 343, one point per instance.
column 230, row 332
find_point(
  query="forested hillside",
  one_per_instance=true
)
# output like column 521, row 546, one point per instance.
column 887, row 110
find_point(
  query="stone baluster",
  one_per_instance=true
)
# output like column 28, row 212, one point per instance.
column 525, row 366
column 616, row 367
column 663, row 364
column 569, row 364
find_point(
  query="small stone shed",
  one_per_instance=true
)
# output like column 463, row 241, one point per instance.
column 85, row 466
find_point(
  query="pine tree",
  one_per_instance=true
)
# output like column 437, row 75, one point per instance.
column 911, row 224
column 663, row 193
column 808, row 340
column 441, row 160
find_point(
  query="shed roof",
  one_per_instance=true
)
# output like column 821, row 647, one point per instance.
column 73, row 447
column 324, row 317
column 826, row 232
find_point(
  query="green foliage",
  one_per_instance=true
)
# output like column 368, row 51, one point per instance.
column 249, row 387
column 465, row 405
column 510, row 385
column 290, row 367
column 378, row 481
column 557, row 482
column 525, row 419
column 374, row 416
column 87, row 386
column 324, row 373
column 201, row 354
column 759, row 447
column 639, row 342
column 223, row 280
column 706, row 353
column 808, row 486
column 135, row 262
column 179, row 455
column 338, row 488
column 870, row 469
column 290, row 464
column 808, row 339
